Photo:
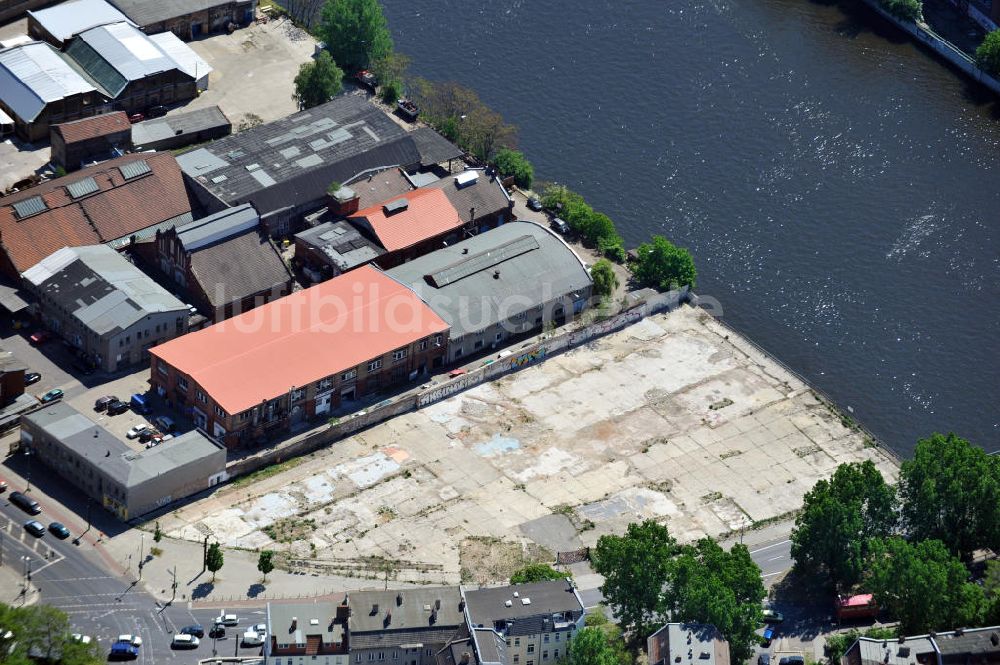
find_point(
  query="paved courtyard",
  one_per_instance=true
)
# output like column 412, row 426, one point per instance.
column 667, row 419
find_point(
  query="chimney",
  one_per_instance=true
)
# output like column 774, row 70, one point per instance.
column 437, row 604
column 434, row 616
column 496, row 275
column 399, row 599
column 388, row 619
column 342, row 202
column 295, row 622
column 374, row 609
column 461, row 605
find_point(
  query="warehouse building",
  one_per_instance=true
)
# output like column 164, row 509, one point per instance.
column 181, row 129
column 188, row 19
column 128, row 482
column 60, row 23
column 94, row 139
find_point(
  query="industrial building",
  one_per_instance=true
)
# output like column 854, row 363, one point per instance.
column 94, row 139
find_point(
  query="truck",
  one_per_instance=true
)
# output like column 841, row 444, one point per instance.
column 858, row 606
column 141, row 404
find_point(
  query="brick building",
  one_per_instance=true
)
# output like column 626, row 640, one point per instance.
column 188, row 19
column 100, row 137
column 11, row 377
column 299, row 357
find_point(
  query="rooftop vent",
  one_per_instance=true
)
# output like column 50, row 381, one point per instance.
column 508, row 603
column 388, row 619
column 466, row 656
column 374, row 609
column 461, row 605
column 517, row 595
column 434, row 616
column 313, row 622
column 437, row 604
column 496, row 274
column 904, row 652
column 526, row 601
column 466, row 178
column 959, row 632
column 704, row 655
column 393, row 207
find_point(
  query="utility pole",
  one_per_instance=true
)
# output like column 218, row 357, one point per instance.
column 142, row 543
column 204, row 555
column 27, row 453
column 173, row 587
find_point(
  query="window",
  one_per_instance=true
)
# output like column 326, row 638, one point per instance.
column 517, row 658
column 219, row 412
column 371, row 655
column 297, row 394
column 357, row 657
column 531, row 662
column 381, row 655
column 555, row 654
column 545, row 638
column 395, row 655
column 428, row 652
column 478, row 344
column 160, row 367
column 438, row 339
column 325, row 383
column 531, row 648
column 200, row 396
column 518, row 317
column 182, row 383
column 499, row 336
column 421, row 345
column 517, row 641
column 398, row 355
column 458, row 352
column 348, row 375
column 557, row 637
column 374, row 365
column 545, row 655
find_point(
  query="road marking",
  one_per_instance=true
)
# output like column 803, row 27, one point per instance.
column 767, row 547
column 775, row 558
column 773, row 574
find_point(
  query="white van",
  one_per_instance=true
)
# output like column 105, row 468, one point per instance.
column 252, row 638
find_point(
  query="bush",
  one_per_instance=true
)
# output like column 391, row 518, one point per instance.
column 605, row 280
column 513, row 163
column 908, row 10
column 317, row 82
column 391, row 92
column 664, row 266
column 536, row 572
column 988, row 53
column 612, row 247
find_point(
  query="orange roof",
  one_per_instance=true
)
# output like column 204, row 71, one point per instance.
column 301, row 338
column 89, row 128
column 428, row 213
column 120, row 208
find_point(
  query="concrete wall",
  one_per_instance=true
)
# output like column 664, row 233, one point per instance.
column 179, row 482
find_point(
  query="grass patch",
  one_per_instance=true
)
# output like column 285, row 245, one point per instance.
column 267, row 472
column 290, row 529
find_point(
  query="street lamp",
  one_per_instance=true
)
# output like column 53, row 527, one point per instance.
column 142, row 543
column 27, row 453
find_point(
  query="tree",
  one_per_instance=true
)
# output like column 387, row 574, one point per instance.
column 355, row 32
column 908, row 10
column 635, row 567
column 265, row 562
column 460, row 116
column 924, row 586
column 991, row 588
column 536, row 572
column 44, row 632
column 988, row 53
column 950, row 491
column 391, row 74
column 839, row 519
column 605, row 280
column 513, row 163
column 318, row 81
column 214, row 559
column 612, row 247
column 157, row 533
column 589, row 646
column 838, row 643
column 664, row 266
column 711, row 585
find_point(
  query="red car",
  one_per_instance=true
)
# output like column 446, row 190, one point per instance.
column 456, row 372
column 136, row 117
column 40, row 337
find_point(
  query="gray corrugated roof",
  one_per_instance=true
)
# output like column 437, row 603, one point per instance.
column 342, row 243
column 187, row 60
column 32, row 75
column 486, row 195
column 115, row 457
column 348, row 135
column 68, row 19
column 472, row 298
column 238, row 267
column 215, row 228
column 407, row 609
column 487, row 606
column 434, row 148
column 148, row 12
column 428, row 637
column 100, row 287
column 126, row 49
column 192, row 122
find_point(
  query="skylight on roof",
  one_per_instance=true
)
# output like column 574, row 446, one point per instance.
column 135, row 169
column 82, row 187
column 29, row 207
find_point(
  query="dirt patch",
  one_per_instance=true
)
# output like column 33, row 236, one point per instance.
column 290, row 529
column 492, row 561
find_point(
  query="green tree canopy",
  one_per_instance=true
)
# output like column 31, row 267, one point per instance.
column 355, row 32
column 457, row 112
column 43, row 630
column 536, row 572
column 513, row 163
column 318, row 81
column 839, row 518
column 988, row 53
column 590, row 646
column 991, row 587
column 950, row 491
column 605, row 280
column 908, row 10
column 214, row 559
column 664, row 266
column 635, row 567
column 711, row 585
column 924, row 586
column 265, row 562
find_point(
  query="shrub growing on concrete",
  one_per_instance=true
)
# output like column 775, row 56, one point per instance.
column 988, row 53
column 908, row 10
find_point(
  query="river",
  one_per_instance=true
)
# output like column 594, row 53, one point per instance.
column 838, row 187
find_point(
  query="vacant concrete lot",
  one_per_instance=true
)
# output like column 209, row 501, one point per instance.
column 253, row 70
column 666, row 419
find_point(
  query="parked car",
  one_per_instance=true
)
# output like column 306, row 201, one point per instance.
column 35, row 528
column 218, row 631
column 194, row 629
column 251, row 638
column 136, row 430
column 136, row 117
column 147, row 434
column 165, row 424
column 141, row 404
column 51, row 396
column 261, row 629
column 227, row 619
column 31, row 377
column 59, row 530
column 534, row 204
column 367, row 79
column 123, row 651
column 792, row 660
column 770, row 616
column 103, row 402
column 456, row 372
column 157, row 111
column 764, row 659
column 117, row 407
column 3, row 486
column 40, row 336
column 768, row 636
column 25, row 503
column 184, row 641
column 560, row 225
column 134, row 640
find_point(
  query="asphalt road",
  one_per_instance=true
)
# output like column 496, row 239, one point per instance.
column 104, row 605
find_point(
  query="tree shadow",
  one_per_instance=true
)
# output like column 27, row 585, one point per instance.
column 202, row 590
column 807, row 607
column 255, row 590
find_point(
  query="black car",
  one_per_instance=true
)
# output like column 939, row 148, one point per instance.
column 25, row 503
column 31, row 377
column 218, row 631
column 156, row 111
column 103, row 402
column 84, row 368
column 764, row 659
column 535, row 204
column 59, row 530
column 116, row 407
column 195, row 630
column 35, row 528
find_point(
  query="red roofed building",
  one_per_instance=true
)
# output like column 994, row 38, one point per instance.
column 412, row 225
column 96, row 137
column 300, row 357
column 104, row 204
